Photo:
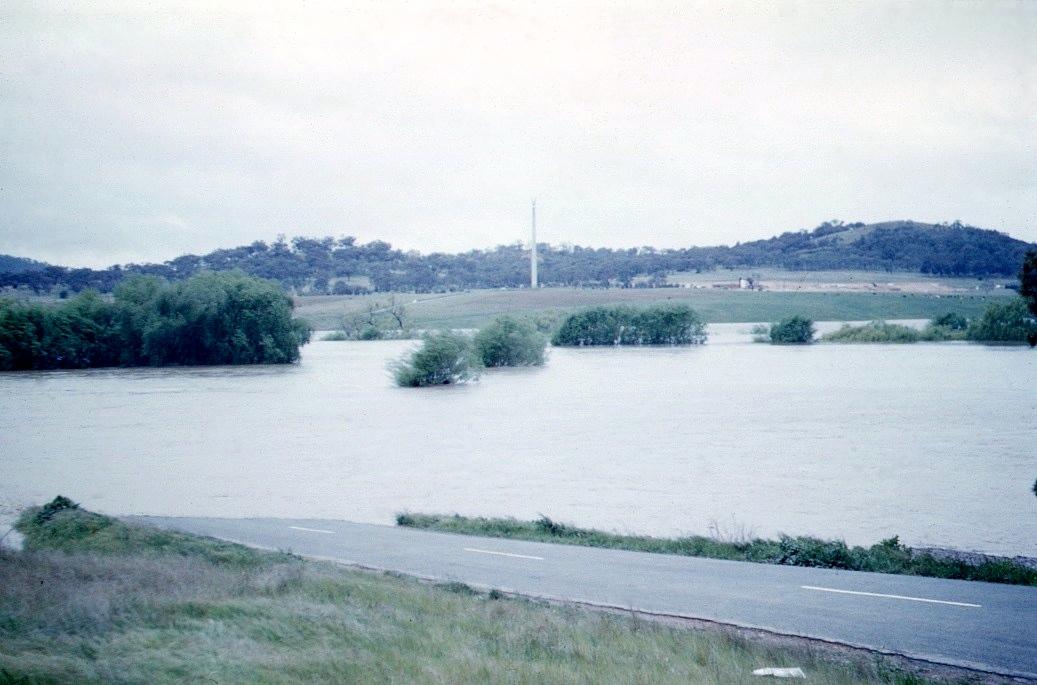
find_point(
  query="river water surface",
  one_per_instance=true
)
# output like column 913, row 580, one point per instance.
column 931, row 442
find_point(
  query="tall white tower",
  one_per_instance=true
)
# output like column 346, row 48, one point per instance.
column 533, row 250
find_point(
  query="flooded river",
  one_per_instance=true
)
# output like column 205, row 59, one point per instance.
column 935, row 443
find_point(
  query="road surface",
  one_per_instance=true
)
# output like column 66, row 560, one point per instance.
column 976, row 625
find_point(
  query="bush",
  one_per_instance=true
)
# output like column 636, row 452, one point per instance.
column 665, row 324
column 211, row 318
column 951, row 320
column 443, row 358
column 808, row 551
column 949, row 326
column 1004, row 323
column 874, row 332
column 793, row 330
column 509, row 342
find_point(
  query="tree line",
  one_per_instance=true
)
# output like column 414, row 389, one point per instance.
column 344, row 266
column 210, row 318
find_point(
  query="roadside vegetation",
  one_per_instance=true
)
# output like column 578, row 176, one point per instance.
column 211, row 318
column 510, row 342
column 444, row 358
column 888, row 556
column 94, row 600
column 661, row 324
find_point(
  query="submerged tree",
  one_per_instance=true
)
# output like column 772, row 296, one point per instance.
column 1007, row 322
column 510, row 342
column 792, row 330
column 444, row 358
column 211, row 318
column 664, row 324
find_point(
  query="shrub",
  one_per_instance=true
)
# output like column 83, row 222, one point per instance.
column 793, row 330
column 47, row 511
column 509, row 342
column 874, row 332
column 1009, row 322
column 443, row 358
column 665, row 324
column 808, row 551
column 951, row 320
column 949, row 326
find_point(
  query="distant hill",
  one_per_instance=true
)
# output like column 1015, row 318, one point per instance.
column 341, row 266
column 942, row 249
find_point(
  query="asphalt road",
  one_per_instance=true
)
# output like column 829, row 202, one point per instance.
column 976, row 625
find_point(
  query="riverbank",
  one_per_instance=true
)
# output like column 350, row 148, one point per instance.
column 93, row 599
column 887, row 556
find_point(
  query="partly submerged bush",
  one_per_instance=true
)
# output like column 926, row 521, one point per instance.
column 874, row 332
column 443, row 358
column 949, row 326
column 664, row 324
column 510, row 342
column 1008, row 322
column 792, row 330
column 951, row 320
column 210, row 318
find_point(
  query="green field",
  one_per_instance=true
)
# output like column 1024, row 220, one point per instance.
column 475, row 308
column 93, row 600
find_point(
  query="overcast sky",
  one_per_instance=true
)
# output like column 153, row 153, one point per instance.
column 141, row 131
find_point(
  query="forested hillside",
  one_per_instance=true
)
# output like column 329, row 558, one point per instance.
column 342, row 266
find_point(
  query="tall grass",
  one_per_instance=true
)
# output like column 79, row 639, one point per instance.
column 888, row 556
column 174, row 613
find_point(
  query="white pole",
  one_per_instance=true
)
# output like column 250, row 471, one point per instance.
column 533, row 250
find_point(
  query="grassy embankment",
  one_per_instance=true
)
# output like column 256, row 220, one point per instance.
column 888, row 556
column 95, row 600
column 476, row 308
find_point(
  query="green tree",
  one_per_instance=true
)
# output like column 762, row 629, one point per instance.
column 444, row 358
column 792, row 330
column 211, row 318
column 510, row 342
column 1008, row 322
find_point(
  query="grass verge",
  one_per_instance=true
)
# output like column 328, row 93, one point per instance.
column 92, row 599
column 888, row 556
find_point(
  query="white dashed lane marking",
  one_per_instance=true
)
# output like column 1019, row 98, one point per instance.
column 502, row 554
column 879, row 594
